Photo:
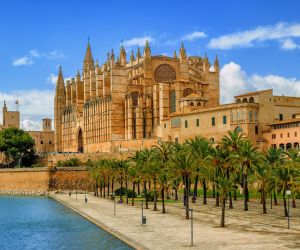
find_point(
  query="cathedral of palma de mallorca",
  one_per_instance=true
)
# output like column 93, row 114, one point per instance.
column 123, row 105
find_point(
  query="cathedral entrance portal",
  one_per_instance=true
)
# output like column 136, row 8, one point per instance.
column 80, row 141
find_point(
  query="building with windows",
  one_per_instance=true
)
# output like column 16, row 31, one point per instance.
column 10, row 118
column 126, row 105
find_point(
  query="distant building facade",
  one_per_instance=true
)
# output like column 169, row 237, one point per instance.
column 126, row 105
column 44, row 140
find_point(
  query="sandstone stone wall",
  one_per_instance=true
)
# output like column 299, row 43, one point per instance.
column 41, row 180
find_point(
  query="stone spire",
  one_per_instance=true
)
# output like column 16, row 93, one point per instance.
column 131, row 56
column 216, row 64
column 205, row 64
column 112, row 58
column 182, row 54
column 60, row 78
column 175, row 54
column 138, row 54
column 122, row 56
column 78, row 78
column 147, row 50
column 88, row 59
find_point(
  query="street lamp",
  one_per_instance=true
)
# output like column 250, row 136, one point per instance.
column 192, row 227
column 288, row 194
column 143, row 217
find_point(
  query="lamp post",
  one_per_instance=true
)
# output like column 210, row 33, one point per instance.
column 114, row 197
column 192, row 227
column 288, row 193
column 143, row 217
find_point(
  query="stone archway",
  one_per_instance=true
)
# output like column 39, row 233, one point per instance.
column 80, row 141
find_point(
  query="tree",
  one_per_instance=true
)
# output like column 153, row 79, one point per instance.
column 248, row 157
column 162, row 153
column 200, row 148
column 183, row 163
column 17, row 144
column 224, row 186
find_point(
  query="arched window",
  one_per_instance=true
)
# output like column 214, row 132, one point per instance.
column 238, row 100
column 251, row 99
column 281, row 146
column 134, row 97
column 238, row 129
column 198, row 104
column 250, row 115
column 245, row 99
column 255, row 116
column 173, row 101
column 288, row 146
column 192, row 104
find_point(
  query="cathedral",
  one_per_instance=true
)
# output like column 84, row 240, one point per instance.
column 123, row 104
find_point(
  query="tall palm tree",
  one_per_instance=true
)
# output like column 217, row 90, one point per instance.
column 224, row 186
column 274, row 158
column 248, row 157
column 183, row 162
column 162, row 153
column 263, row 175
column 200, row 148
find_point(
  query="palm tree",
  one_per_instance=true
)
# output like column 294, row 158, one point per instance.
column 161, row 153
column 183, row 162
column 262, row 175
column 224, row 186
column 200, row 148
column 274, row 158
column 121, row 174
column 248, row 157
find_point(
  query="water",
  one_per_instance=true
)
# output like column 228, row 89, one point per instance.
column 42, row 223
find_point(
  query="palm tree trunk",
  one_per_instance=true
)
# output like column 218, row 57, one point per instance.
column 154, row 195
column 284, row 204
column 176, row 194
column 234, row 195
column 126, row 187
column 204, row 191
column 112, row 185
column 218, row 199
column 245, row 193
column 195, row 190
column 163, row 200
column 214, row 191
column 132, row 198
column 230, row 201
column 187, row 212
column 94, row 189
column 108, row 188
column 101, row 189
column 263, row 196
column 294, row 203
column 222, row 224
column 275, row 198
column 149, row 185
column 146, row 195
column 121, row 193
column 139, row 190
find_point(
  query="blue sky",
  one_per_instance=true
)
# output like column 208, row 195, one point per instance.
column 258, row 42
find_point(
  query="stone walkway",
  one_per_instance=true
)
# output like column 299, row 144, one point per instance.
column 172, row 230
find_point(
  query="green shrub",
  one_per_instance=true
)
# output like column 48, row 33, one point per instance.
column 122, row 191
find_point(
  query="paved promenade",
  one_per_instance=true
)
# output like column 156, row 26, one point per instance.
column 172, row 230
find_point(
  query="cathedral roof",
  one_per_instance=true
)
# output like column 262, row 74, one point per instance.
column 88, row 54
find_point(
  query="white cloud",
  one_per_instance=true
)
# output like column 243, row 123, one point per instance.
column 52, row 79
column 22, row 61
column 193, row 36
column 34, row 106
column 248, row 38
column 289, row 44
column 234, row 81
column 138, row 41
column 27, row 60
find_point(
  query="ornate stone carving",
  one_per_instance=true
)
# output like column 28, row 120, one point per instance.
column 164, row 73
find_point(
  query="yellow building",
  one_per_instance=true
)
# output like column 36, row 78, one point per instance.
column 10, row 118
column 126, row 105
